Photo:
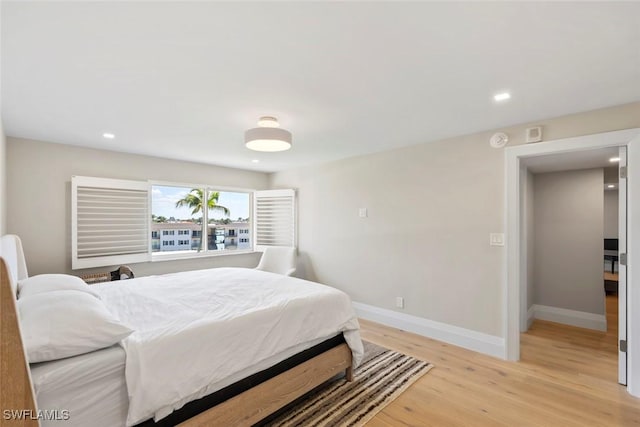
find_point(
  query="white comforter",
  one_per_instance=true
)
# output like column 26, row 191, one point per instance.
column 196, row 331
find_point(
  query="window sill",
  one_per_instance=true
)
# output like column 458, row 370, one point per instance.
column 177, row 255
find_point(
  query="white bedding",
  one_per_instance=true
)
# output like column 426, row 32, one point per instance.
column 91, row 387
column 198, row 331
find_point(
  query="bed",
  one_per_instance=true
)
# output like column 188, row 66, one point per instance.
column 184, row 354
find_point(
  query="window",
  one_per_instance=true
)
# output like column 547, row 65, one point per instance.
column 112, row 224
column 181, row 208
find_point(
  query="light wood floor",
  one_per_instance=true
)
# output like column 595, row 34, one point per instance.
column 567, row 377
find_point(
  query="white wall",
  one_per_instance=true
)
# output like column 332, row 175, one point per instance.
column 568, row 240
column 39, row 176
column 3, row 156
column 3, row 179
column 431, row 209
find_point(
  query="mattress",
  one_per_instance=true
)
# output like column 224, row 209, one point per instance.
column 90, row 386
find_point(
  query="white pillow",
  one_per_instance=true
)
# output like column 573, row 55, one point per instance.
column 52, row 282
column 62, row 324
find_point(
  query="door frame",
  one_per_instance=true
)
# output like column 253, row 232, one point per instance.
column 514, row 285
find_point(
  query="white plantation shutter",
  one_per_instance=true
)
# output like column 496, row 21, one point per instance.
column 274, row 218
column 110, row 222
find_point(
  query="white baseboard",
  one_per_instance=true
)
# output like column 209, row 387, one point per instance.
column 580, row 319
column 531, row 313
column 472, row 340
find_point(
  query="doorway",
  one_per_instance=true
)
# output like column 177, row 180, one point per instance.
column 568, row 218
column 514, row 289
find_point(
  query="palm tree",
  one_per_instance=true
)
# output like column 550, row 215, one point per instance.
column 194, row 200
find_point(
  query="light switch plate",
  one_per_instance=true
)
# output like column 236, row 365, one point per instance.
column 496, row 239
column 362, row 212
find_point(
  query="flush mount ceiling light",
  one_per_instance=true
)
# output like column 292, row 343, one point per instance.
column 108, row 135
column 614, row 159
column 268, row 136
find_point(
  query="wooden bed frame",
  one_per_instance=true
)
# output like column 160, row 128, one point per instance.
column 245, row 409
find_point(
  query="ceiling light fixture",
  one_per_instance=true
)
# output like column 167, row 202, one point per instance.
column 614, row 159
column 268, row 136
column 502, row 96
column 108, row 135
column 611, row 186
column 255, row 161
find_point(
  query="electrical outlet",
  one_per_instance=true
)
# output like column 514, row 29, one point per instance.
column 399, row 302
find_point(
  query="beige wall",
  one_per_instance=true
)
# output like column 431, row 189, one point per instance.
column 431, row 209
column 611, row 214
column 568, row 240
column 39, row 177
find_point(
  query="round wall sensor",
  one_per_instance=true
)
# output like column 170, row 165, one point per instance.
column 499, row 140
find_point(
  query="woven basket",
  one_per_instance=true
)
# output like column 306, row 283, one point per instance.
column 92, row 279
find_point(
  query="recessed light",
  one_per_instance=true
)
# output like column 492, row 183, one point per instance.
column 255, row 161
column 614, row 159
column 611, row 186
column 108, row 135
column 502, row 96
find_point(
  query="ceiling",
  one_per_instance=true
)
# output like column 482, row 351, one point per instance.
column 184, row 80
column 585, row 159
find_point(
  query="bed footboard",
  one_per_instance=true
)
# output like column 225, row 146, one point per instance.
column 264, row 399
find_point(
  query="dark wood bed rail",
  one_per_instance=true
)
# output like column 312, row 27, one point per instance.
column 17, row 402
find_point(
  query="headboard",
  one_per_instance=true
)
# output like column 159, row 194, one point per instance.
column 11, row 251
column 16, row 390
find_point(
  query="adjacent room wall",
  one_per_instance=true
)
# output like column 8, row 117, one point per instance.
column 611, row 214
column 40, row 174
column 529, row 244
column 431, row 208
column 568, row 240
column 611, row 204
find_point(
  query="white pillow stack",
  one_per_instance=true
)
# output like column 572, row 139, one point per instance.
column 60, row 316
column 52, row 282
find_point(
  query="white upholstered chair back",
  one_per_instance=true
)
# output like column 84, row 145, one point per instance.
column 278, row 259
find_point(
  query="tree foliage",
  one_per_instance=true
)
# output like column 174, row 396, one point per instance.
column 194, row 201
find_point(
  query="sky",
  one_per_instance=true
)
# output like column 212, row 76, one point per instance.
column 163, row 203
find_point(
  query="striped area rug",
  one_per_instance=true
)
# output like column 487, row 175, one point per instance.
column 381, row 377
